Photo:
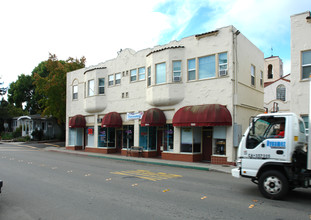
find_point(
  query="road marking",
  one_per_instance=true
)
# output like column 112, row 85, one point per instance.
column 145, row 174
column 54, row 145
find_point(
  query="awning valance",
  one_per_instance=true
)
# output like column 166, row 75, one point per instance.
column 77, row 121
column 203, row 115
column 112, row 119
column 153, row 117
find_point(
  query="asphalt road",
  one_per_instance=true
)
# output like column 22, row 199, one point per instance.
column 48, row 185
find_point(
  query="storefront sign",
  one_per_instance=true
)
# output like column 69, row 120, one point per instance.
column 90, row 131
column 134, row 115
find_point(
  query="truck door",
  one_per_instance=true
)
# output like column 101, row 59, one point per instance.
column 267, row 139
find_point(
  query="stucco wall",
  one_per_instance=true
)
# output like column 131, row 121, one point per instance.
column 300, row 41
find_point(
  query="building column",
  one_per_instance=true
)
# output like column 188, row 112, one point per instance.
column 96, row 130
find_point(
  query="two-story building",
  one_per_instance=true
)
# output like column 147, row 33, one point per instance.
column 301, row 64
column 188, row 100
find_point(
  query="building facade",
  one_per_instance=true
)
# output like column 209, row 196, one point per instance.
column 188, row 100
column 276, row 86
column 300, row 64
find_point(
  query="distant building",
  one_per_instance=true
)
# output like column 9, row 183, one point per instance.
column 188, row 100
column 277, row 88
column 300, row 64
column 30, row 123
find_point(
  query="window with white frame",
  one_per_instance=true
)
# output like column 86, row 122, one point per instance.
column 222, row 64
column 133, row 75
column 141, row 73
column 207, row 67
column 305, row 119
column 118, row 78
column 75, row 92
column 252, row 75
column 101, row 86
column 306, row 64
column 177, row 71
column 91, row 87
column 110, row 80
column 160, row 73
column 191, row 69
column 281, row 92
column 261, row 78
column 149, row 76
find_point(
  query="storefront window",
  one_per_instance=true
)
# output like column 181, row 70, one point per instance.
column 106, row 137
column 219, row 135
column 191, row 139
column 128, row 136
column 75, row 136
column 89, row 136
column 148, row 137
column 168, row 138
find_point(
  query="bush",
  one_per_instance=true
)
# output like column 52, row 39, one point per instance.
column 7, row 136
column 17, row 133
column 22, row 139
column 37, row 134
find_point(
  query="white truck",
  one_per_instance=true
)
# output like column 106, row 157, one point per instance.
column 274, row 154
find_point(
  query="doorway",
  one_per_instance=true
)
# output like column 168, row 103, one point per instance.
column 207, row 145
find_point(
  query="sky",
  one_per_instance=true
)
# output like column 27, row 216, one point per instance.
column 98, row 29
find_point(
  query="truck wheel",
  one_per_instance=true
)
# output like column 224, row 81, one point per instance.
column 273, row 184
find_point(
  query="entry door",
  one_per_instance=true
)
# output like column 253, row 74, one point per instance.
column 207, row 144
column 159, row 141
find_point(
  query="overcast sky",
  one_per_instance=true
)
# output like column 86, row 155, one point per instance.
column 98, row 29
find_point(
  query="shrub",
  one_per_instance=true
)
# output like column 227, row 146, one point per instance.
column 37, row 134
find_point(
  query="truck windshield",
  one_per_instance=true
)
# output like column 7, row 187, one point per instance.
column 263, row 128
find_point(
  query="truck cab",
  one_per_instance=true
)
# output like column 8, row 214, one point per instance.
column 273, row 153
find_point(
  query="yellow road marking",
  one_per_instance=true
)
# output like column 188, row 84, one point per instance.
column 145, row 174
column 54, row 145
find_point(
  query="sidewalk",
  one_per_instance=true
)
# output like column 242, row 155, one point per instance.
column 189, row 165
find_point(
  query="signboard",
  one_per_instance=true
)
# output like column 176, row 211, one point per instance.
column 134, row 115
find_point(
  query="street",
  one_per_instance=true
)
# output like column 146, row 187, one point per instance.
column 45, row 185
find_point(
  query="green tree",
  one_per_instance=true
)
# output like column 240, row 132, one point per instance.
column 50, row 82
column 22, row 91
column 2, row 89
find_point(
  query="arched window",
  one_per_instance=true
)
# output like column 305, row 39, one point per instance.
column 281, row 92
column 270, row 71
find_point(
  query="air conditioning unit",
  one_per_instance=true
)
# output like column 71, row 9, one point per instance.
column 177, row 78
column 99, row 120
column 223, row 72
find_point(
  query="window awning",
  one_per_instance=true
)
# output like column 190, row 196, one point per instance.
column 112, row 119
column 203, row 115
column 153, row 117
column 77, row 121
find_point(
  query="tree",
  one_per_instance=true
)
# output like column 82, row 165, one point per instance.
column 2, row 89
column 50, row 82
column 22, row 91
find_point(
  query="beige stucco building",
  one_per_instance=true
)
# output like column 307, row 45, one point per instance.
column 276, row 86
column 300, row 64
column 187, row 100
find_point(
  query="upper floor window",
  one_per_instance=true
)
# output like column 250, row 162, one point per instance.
column 118, row 78
column 252, row 75
column 149, row 76
column 223, row 64
column 101, row 86
column 281, row 92
column 270, row 71
column 176, row 71
column 91, row 87
column 261, row 78
column 133, row 75
column 207, row 67
column 141, row 73
column 110, row 80
column 306, row 64
column 160, row 73
column 191, row 69
column 75, row 92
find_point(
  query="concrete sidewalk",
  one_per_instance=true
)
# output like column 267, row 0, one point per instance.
column 189, row 165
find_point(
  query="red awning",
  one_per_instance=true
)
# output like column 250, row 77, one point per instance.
column 202, row 115
column 77, row 121
column 153, row 117
column 112, row 119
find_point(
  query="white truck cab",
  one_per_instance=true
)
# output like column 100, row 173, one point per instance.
column 273, row 153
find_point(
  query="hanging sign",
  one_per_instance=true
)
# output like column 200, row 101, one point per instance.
column 134, row 115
